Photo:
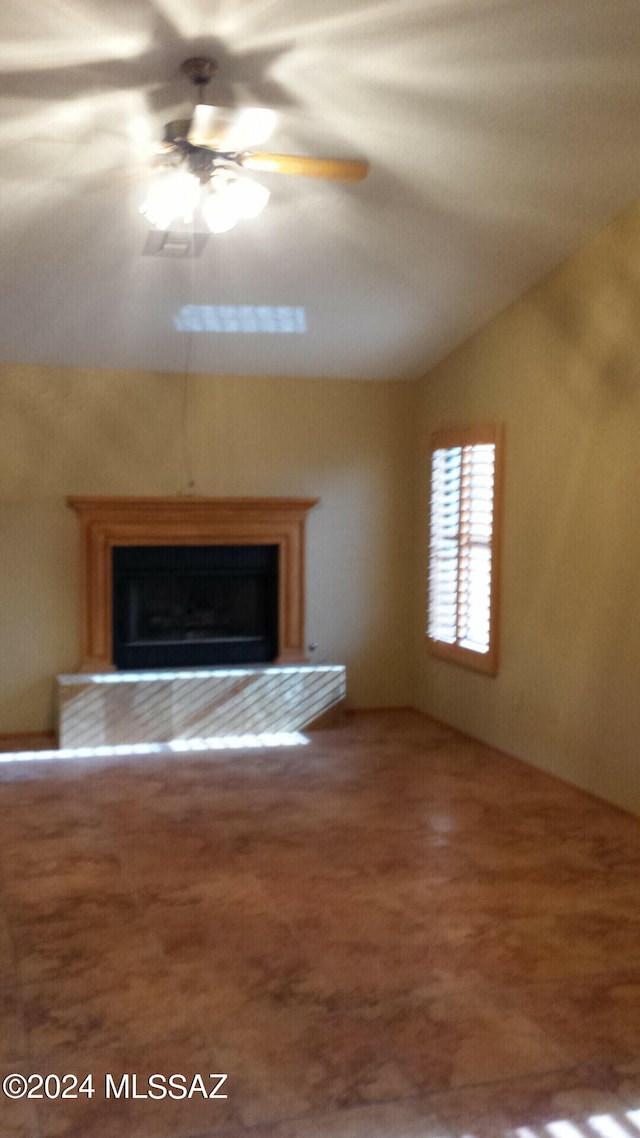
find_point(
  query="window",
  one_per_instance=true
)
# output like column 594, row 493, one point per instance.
column 464, row 546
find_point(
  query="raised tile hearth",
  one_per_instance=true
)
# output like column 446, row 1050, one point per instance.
column 160, row 707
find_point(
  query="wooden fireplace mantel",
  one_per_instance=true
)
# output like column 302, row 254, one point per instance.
column 107, row 522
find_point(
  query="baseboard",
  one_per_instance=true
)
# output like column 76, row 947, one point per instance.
column 27, row 740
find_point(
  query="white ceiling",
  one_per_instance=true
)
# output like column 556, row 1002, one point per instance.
column 500, row 134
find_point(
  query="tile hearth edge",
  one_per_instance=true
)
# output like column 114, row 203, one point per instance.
column 128, row 708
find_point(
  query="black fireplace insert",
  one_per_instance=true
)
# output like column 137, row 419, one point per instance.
column 194, row 605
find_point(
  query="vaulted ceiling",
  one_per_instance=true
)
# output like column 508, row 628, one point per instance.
column 500, row 134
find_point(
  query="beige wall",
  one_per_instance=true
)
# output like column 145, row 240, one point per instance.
column 72, row 432
column 561, row 370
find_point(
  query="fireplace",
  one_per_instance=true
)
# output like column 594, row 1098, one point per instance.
column 238, row 564
column 194, row 605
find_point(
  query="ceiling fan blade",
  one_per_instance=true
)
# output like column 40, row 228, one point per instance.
column 336, row 169
column 209, row 126
column 220, row 128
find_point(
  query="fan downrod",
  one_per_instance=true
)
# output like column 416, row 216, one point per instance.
column 200, row 69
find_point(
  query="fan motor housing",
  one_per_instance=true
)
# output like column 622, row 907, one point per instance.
column 200, row 69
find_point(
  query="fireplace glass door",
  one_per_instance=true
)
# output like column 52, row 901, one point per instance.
column 194, row 606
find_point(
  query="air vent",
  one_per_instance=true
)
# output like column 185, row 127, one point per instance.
column 174, row 244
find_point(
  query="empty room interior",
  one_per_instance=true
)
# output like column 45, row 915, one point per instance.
column 320, row 547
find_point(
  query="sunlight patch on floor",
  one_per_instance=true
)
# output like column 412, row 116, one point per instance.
column 174, row 746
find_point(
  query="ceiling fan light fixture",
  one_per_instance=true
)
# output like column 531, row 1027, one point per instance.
column 212, row 148
column 218, row 212
column 230, row 198
column 172, row 195
column 249, row 197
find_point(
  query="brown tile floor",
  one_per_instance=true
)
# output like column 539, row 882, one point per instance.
column 391, row 932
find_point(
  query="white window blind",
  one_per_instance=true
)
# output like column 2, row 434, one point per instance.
column 461, row 564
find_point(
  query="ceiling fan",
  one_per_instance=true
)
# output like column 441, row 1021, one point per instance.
column 203, row 159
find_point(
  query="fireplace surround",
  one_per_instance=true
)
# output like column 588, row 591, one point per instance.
column 111, row 524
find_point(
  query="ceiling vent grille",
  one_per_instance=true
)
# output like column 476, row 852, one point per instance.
column 176, row 245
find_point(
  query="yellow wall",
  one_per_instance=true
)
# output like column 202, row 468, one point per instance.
column 73, row 432
column 561, row 370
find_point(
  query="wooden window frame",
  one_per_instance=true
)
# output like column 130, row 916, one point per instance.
column 485, row 662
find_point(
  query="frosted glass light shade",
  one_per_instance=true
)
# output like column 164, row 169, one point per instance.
column 227, row 198
column 218, row 212
column 250, row 197
column 171, row 195
column 230, row 198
